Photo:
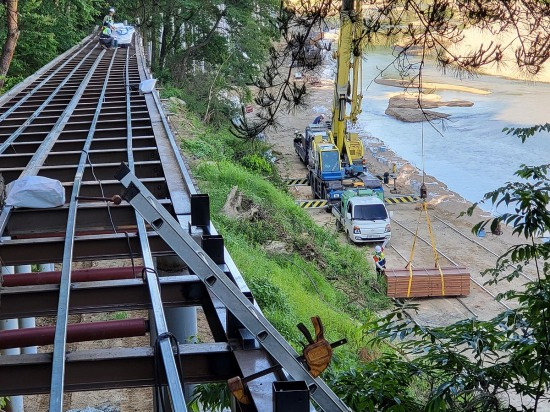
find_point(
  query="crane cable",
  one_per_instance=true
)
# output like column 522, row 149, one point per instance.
column 423, row 195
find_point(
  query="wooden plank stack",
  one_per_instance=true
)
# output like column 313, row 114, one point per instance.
column 427, row 282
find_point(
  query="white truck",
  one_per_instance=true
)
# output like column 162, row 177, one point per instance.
column 363, row 216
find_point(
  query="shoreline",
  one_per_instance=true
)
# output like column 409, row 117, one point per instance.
column 378, row 155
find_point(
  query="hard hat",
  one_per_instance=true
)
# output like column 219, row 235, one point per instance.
column 111, row 10
column 322, row 116
column 378, row 249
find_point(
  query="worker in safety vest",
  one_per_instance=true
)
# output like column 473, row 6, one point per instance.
column 109, row 20
column 105, row 38
column 379, row 260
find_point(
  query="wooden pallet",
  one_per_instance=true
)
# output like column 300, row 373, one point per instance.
column 427, row 282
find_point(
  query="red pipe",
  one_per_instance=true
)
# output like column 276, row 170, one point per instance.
column 78, row 332
column 80, row 275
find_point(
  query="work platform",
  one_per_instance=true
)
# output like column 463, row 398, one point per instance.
column 75, row 121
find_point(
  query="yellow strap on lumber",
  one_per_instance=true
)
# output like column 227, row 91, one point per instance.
column 409, row 263
column 434, row 250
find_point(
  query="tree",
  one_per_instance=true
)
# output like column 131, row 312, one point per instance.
column 474, row 365
column 36, row 31
column 521, row 29
column 11, row 38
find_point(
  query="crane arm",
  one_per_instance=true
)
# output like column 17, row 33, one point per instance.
column 348, row 75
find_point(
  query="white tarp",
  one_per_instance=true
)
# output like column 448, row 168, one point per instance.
column 123, row 34
column 35, row 191
column 147, row 86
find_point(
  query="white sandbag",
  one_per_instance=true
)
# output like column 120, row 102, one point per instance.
column 35, row 191
column 147, row 86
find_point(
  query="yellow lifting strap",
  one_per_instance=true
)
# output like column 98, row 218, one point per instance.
column 434, row 249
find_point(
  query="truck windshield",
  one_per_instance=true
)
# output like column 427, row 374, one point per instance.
column 370, row 212
column 331, row 161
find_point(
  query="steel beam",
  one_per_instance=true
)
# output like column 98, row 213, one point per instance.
column 88, row 247
column 91, row 216
column 51, row 277
column 101, row 296
column 113, row 368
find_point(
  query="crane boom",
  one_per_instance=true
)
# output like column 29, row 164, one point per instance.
column 348, row 81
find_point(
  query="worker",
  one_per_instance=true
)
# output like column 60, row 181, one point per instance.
column 105, row 38
column 109, row 20
column 319, row 119
column 379, row 260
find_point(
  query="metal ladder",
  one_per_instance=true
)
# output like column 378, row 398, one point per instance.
column 223, row 288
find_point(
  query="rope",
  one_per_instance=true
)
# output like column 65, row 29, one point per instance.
column 110, row 214
column 423, row 195
column 409, row 263
column 434, row 249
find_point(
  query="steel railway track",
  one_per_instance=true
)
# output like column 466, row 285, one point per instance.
column 452, row 262
column 76, row 121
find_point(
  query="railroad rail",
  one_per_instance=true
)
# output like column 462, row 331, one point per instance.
column 454, row 229
column 75, row 121
column 453, row 262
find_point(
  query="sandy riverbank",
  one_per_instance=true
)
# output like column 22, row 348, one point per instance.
column 443, row 203
column 415, row 107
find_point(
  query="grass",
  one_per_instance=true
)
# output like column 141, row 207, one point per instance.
column 311, row 272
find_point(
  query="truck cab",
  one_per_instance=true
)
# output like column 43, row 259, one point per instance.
column 324, row 165
column 363, row 217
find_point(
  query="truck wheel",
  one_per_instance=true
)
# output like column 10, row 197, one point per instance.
column 328, row 209
column 338, row 226
column 349, row 239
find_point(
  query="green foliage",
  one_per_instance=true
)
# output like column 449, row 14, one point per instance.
column 48, row 28
column 208, row 49
column 213, row 397
column 119, row 316
column 313, row 275
column 257, row 164
column 378, row 386
column 475, row 365
column 526, row 132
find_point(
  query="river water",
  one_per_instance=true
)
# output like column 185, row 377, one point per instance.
column 472, row 155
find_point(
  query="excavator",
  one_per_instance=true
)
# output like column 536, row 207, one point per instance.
column 332, row 153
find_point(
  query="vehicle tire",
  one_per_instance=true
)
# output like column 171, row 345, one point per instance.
column 328, row 209
column 349, row 239
column 339, row 226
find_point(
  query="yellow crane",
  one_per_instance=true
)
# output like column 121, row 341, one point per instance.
column 348, row 86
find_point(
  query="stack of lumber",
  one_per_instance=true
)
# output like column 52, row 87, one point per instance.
column 427, row 282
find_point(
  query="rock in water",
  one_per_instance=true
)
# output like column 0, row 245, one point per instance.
column 414, row 115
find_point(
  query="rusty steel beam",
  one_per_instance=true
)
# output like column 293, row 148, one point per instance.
column 88, row 247
column 157, row 186
column 102, row 296
column 91, row 216
column 113, row 368
column 79, row 275
column 78, row 332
